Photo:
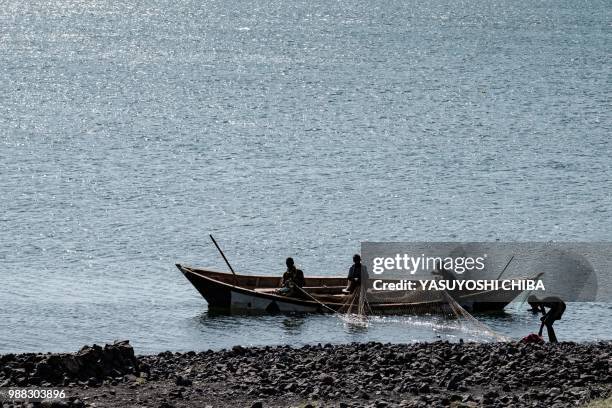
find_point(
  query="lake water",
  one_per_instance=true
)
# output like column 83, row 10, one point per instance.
column 131, row 130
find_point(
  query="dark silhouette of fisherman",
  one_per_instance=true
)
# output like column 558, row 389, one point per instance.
column 292, row 280
column 443, row 273
column 357, row 274
column 556, row 307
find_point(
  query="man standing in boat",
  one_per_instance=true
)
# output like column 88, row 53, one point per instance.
column 357, row 274
column 292, row 280
column 442, row 273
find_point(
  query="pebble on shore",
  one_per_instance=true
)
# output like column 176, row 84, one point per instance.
column 358, row 374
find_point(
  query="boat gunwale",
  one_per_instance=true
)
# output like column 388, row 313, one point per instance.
column 240, row 289
column 200, row 272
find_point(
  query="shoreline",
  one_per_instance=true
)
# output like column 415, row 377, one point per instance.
column 356, row 374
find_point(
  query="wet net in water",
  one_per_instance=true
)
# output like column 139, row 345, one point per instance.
column 362, row 304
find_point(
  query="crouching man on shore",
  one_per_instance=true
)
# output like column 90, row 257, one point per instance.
column 556, row 308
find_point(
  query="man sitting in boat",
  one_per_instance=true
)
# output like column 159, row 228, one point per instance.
column 357, row 274
column 292, row 281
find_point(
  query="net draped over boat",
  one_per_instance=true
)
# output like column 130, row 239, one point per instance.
column 362, row 303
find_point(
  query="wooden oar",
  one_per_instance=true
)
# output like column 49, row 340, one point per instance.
column 505, row 267
column 225, row 259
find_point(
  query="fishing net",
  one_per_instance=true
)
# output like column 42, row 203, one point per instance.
column 519, row 302
column 470, row 323
column 356, row 309
column 362, row 304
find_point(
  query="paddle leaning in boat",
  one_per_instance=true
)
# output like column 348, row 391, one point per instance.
column 235, row 292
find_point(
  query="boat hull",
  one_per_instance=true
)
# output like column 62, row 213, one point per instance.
column 224, row 296
column 249, row 293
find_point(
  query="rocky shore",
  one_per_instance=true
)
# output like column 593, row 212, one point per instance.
column 370, row 374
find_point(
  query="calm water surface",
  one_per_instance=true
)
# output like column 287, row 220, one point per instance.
column 130, row 131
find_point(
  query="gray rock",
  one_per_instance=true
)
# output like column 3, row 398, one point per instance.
column 424, row 388
column 326, row 379
column 182, row 381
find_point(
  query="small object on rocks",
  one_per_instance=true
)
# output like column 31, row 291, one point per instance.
column 182, row 381
column 49, row 403
column 532, row 339
column 238, row 350
column 326, row 379
column 175, row 393
column 456, row 397
column 490, row 395
column 453, row 383
column 424, row 388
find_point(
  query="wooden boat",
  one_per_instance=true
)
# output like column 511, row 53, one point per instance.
column 235, row 292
